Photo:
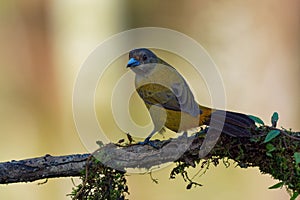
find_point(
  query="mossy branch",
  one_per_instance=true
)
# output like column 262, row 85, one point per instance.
column 278, row 157
column 275, row 155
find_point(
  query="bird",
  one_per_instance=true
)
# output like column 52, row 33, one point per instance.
column 171, row 103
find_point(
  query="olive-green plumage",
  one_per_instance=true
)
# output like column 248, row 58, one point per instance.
column 171, row 103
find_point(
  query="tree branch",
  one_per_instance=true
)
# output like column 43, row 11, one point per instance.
column 275, row 157
column 42, row 167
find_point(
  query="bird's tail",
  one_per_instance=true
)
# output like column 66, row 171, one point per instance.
column 230, row 123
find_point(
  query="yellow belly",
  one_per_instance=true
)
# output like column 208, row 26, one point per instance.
column 175, row 119
column 180, row 121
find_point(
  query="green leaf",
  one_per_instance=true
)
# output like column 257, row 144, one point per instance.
column 274, row 119
column 271, row 135
column 256, row 119
column 295, row 195
column 297, row 157
column 270, row 147
column 269, row 154
column 277, row 185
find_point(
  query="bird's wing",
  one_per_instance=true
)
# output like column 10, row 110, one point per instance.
column 186, row 98
column 178, row 97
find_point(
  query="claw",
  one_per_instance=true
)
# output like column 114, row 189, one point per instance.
column 147, row 141
column 202, row 132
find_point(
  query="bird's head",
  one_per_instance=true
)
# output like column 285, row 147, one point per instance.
column 142, row 62
column 141, row 56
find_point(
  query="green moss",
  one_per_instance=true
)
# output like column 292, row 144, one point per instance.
column 275, row 156
column 100, row 182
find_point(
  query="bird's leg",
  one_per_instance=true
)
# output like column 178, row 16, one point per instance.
column 158, row 116
column 147, row 140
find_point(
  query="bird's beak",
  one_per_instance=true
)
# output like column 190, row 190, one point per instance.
column 133, row 63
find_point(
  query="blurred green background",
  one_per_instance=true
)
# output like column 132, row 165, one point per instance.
column 255, row 44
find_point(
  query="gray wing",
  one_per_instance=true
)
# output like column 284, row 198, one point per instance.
column 186, row 98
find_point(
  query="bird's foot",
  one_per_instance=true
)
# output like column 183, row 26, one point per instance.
column 147, row 141
column 203, row 131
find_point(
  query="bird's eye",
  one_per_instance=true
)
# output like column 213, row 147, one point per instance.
column 144, row 57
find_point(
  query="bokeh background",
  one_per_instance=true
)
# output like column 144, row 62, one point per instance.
column 256, row 45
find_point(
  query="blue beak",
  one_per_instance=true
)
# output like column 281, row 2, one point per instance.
column 133, row 63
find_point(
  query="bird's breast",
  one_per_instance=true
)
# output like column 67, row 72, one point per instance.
column 154, row 94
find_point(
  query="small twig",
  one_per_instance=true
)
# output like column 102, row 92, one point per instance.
column 155, row 180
